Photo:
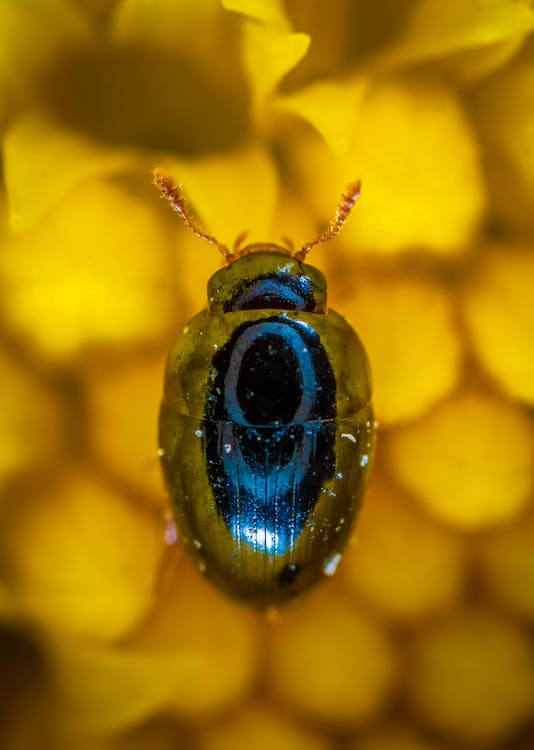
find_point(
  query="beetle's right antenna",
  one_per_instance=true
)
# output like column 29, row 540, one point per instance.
column 173, row 194
column 344, row 207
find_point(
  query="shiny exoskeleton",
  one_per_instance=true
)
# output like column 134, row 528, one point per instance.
column 266, row 428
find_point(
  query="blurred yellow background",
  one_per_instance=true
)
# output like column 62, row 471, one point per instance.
column 264, row 110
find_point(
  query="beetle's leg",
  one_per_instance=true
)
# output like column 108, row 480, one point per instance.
column 344, row 207
column 173, row 194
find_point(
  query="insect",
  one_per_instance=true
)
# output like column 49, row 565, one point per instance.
column 266, row 428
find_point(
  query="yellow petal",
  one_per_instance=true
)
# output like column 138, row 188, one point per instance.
column 122, row 412
column 32, row 33
column 268, row 55
column 500, row 317
column 471, row 66
column 195, row 261
column 31, row 422
column 331, row 107
column 231, row 192
column 178, row 34
column 398, row 737
column 473, row 677
column 331, row 663
column 104, row 689
column 469, row 461
column 507, row 561
column 419, row 165
column 192, row 617
column 381, row 565
column 408, row 329
column 26, row 687
column 193, row 26
column 43, row 162
column 503, row 108
column 269, row 12
column 82, row 560
column 93, row 273
column 260, row 729
column 435, row 29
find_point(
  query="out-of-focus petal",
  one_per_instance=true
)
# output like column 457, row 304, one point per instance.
column 331, row 107
column 507, row 560
column 268, row 55
column 32, row 33
column 25, row 701
column 472, row 677
column 231, row 192
column 43, row 162
column 435, row 29
column 503, row 108
column 92, row 273
column 32, row 423
column 194, row 262
column 80, row 559
column 192, row 26
column 102, row 689
column 469, row 461
column 260, row 729
column 383, row 566
column 408, row 329
column 415, row 153
column 499, row 312
column 398, row 737
column 331, row 663
column 220, row 637
column 268, row 12
column 122, row 405
column 471, row 66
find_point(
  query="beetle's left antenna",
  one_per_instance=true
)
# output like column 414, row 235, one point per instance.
column 173, row 194
column 344, row 207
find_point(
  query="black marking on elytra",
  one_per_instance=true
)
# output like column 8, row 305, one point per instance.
column 273, row 291
column 270, row 432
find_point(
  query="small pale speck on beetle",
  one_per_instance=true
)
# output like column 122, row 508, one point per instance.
column 170, row 536
column 330, row 565
column 349, row 436
column 197, row 544
column 364, row 460
column 227, row 447
column 185, row 329
column 161, row 452
column 198, row 433
column 339, row 476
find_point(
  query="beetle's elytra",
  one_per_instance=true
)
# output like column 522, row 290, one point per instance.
column 266, row 428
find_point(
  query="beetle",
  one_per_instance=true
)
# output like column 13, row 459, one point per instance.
column 266, row 428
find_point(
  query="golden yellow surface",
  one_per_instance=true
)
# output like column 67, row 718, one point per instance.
column 110, row 638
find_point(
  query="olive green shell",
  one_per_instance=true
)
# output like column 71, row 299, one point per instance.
column 243, row 571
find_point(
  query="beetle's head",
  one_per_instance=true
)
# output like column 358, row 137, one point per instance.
column 266, row 277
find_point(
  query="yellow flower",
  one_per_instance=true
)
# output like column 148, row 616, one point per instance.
column 264, row 109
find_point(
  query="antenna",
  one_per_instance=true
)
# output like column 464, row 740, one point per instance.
column 173, row 194
column 344, row 207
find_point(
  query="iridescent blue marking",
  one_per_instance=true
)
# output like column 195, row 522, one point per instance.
column 268, row 454
column 292, row 340
column 270, row 499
